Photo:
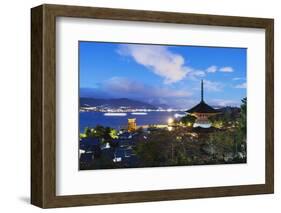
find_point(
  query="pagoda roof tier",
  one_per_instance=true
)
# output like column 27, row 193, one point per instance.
column 202, row 107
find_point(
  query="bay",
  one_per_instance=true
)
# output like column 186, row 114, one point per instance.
column 91, row 119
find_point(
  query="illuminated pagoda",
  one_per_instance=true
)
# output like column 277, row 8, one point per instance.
column 202, row 112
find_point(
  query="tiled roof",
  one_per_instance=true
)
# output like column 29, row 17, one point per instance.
column 202, row 107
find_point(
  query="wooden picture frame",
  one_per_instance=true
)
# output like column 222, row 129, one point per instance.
column 43, row 105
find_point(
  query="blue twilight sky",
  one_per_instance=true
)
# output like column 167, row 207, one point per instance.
column 163, row 74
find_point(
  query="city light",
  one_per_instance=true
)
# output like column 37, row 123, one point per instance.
column 170, row 120
column 170, row 128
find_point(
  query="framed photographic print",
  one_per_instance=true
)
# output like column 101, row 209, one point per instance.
column 136, row 106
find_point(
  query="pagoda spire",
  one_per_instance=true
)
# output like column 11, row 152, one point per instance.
column 202, row 90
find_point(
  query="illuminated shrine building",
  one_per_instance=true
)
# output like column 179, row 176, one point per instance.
column 202, row 112
column 132, row 125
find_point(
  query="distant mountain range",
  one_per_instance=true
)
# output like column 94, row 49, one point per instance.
column 135, row 104
column 115, row 103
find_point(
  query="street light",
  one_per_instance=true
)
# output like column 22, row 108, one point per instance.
column 170, row 120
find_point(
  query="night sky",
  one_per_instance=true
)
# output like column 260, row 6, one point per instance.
column 162, row 74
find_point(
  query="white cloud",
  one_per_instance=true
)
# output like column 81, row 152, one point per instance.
column 237, row 79
column 226, row 69
column 195, row 74
column 123, row 87
column 198, row 73
column 224, row 103
column 241, row 86
column 212, row 69
column 159, row 60
column 183, row 103
column 212, row 86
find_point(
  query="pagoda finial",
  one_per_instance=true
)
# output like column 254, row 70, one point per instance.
column 202, row 90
